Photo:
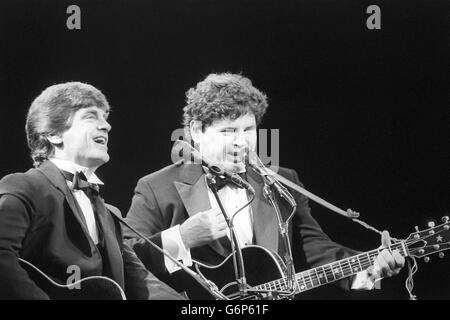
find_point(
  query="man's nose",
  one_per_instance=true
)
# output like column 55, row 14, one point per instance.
column 104, row 125
column 239, row 139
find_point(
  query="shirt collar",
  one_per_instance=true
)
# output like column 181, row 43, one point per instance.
column 72, row 167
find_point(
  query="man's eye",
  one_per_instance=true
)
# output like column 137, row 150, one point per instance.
column 228, row 131
column 90, row 116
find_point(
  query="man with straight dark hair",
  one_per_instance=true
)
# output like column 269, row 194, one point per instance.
column 58, row 238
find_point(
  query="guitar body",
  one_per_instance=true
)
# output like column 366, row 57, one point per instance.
column 261, row 265
column 89, row 288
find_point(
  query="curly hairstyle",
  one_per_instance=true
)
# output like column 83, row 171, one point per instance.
column 51, row 113
column 223, row 96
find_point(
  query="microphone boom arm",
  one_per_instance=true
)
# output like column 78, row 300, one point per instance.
column 348, row 214
column 205, row 283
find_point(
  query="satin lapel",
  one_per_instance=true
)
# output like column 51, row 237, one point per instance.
column 112, row 250
column 193, row 192
column 57, row 179
column 195, row 197
column 265, row 225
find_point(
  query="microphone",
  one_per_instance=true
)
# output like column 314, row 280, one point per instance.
column 256, row 164
column 188, row 153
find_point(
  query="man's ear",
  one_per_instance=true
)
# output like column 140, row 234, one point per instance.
column 55, row 139
column 196, row 131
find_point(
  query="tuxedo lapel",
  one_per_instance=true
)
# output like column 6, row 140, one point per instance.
column 195, row 197
column 80, row 234
column 112, row 253
column 193, row 192
column 265, row 225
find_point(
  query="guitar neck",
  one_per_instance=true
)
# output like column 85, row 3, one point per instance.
column 316, row 277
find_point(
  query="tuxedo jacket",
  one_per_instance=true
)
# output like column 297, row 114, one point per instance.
column 170, row 196
column 41, row 222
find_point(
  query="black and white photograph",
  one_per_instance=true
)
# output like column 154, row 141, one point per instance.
column 241, row 150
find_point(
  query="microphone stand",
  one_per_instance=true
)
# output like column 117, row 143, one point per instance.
column 238, row 260
column 283, row 228
column 205, row 283
column 269, row 182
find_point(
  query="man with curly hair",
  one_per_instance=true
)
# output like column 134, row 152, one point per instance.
column 175, row 208
column 52, row 218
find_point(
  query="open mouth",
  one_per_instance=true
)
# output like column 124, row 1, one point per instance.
column 101, row 140
column 237, row 155
column 235, row 159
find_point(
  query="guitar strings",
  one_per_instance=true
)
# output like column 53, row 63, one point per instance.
column 364, row 263
column 328, row 272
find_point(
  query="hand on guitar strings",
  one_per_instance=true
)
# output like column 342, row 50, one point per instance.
column 388, row 263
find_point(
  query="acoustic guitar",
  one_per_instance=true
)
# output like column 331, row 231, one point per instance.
column 266, row 272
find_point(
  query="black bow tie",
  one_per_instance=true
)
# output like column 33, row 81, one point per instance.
column 222, row 182
column 79, row 182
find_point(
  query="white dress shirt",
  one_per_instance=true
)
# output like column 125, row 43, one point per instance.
column 79, row 195
column 232, row 199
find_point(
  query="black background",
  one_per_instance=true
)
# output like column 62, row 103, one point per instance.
column 363, row 114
